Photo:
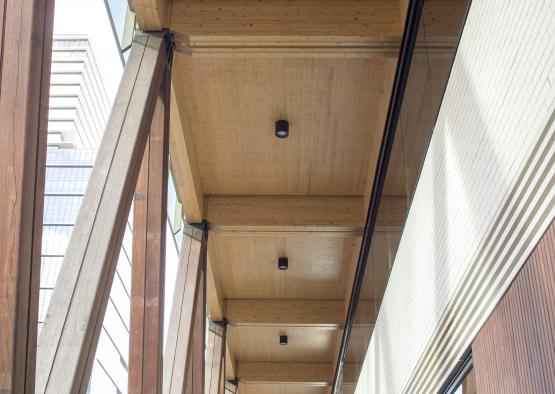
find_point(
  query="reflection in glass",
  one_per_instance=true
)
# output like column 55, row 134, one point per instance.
column 429, row 71
column 123, row 24
column 468, row 385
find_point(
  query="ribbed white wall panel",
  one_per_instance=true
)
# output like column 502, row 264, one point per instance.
column 485, row 196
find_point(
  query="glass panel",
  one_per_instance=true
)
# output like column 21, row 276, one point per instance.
column 468, row 385
column 77, row 115
column 427, row 78
column 123, row 22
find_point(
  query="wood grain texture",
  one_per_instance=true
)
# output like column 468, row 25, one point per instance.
column 229, row 107
column 152, row 15
column 196, row 358
column 149, row 241
column 215, row 360
column 179, row 336
column 260, row 344
column 184, row 163
column 284, row 313
column 214, row 301
column 278, row 214
column 254, row 388
column 73, row 322
column 514, row 352
column 230, row 362
column 285, row 18
column 328, row 68
column 246, row 266
column 288, row 46
column 25, row 46
column 315, row 374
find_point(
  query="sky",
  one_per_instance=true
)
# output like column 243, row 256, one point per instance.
column 89, row 17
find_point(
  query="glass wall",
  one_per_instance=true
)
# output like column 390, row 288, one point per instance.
column 79, row 109
column 429, row 70
column 67, row 175
column 468, row 384
column 123, row 24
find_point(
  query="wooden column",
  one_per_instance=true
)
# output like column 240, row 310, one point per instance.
column 25, row 48
column 515, row 350
column 215, row 358
column 195, row 381
column 184, row 355
column 68, row 339
column 149, row 239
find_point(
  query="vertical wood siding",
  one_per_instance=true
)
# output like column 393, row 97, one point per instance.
column 515, row 350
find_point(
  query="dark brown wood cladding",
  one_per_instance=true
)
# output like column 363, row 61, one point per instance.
column 515, row 350
column 25, row 54
column 146, row 336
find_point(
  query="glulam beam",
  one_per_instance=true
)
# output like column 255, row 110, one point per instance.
column 333, row 18
column 148, row 268
column 293, row 373
column 26, row 46
column 278, row 313
column 299, row 214
column 214, row 301
column 300, row 373
column 70, row 333
column 185, row 337
column 279, row 214
column 215, row 358
column 151, row 15
column 183, row 156
column 288, row 46
column 230, row 363
column 297, row 313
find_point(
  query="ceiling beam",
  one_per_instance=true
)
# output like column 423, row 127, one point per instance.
column 302, row 46
column 195, row 18
column 289, row 46
column 151, row 14
column 214, row 300
column 278, row 214
column 313, row 374
column 284, row 313
column 294, row 373
column 183, row 157
column 309, row 214
column 216, row 312
column 230, row 363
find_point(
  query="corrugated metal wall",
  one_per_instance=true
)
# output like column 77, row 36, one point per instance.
column 515, row 350
column 485, row 196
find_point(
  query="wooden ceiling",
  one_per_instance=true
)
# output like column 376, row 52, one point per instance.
column 231, row 104
column 247, row 266
column 327, row 66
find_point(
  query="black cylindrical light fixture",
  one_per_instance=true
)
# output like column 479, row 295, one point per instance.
column 283, row 340
column 283, row 263
column 282, row 128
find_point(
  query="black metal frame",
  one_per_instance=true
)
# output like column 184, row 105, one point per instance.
column 121, row 50
column 458, row 374
column 401, row 75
